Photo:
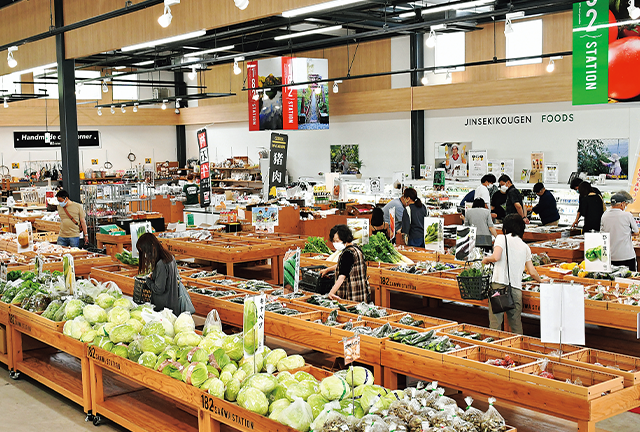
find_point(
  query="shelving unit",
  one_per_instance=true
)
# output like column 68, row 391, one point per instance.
column 235, row 178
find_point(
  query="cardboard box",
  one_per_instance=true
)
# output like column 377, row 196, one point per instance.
column 3, row 339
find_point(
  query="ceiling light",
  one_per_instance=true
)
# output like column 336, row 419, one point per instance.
column 144, row 63
column 508, row 28
column 135, row 107
column 6, row 102
column 209, row 51
column 514, row 15
column 105, row 89
column 113, row 109
column 448, row 79
column 335, row 87
column 309, row 32
column 10, row 60
column 318, row 7
column 551, row 66
column 122, row 108
column 241, row 4
column 193, row 74
column 164, row 104
column 432, row 39
column 634, row 12
column 255, row 96
column 424, row 80
column 166, row 17
column 99, row 111
column 164, row 41
column 236, row 67
column 78, row 88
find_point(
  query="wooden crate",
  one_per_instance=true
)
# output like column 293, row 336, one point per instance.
column 42, row 225
column 414, row 358
column 484, row 333
column 24, row 320
column 533, row 346
column 477, row 356
column 607, row 362
column 429, row 322
column 595, row 384
column 47, row 236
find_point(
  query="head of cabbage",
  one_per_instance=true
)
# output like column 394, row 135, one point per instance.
column 184, row 323
column 153, row 343
column 73, row 308
column 232, row 345
column 105, row 300
column 118, row 315
column 153, row 327
column 94, row 314
column 334, row 388
column 254, row 400
column 76, row 327
column 261, row 381
column 122, row 333
column 295, row 361
column 148, row 359
column 120, row 350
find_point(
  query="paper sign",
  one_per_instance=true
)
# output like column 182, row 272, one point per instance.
column 434, row 234
column 39, row 262
column 465, row 242
column 24, row 237
column 3, row 271
column 136, row 230
column 94, row 161
column 147, row 160
column 351, row 349
column 498, row 167
column 376, row 185
column 69, row 272
column 264, row 218
column 477, row 163
column 253, row 325
column 551, row 173
column 423, row 170
column 597, row 254
column 15, row 165
column 562, row 314
column 291, row 264
column 438, row 178
column 360, row 230
column 392, row 223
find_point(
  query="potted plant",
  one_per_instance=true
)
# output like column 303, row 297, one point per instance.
column 357, row 164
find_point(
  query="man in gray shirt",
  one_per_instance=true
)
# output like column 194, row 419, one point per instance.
column 621, row 226
column 396, row 204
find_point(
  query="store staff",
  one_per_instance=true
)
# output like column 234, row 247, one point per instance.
column 621, row 226
column 351, row 281
column 71, row 221
column 547, row 207
column 514, row 202
column 191, row 190
column 482, row 191
column 575, row 184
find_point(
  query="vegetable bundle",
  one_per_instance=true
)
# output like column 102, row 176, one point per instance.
column 379, row 249
column 316, row 245
column 126, row 258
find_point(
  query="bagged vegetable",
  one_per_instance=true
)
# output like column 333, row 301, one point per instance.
column 334, row 388
column 285, row 376
column 137, row 312
column 105, row 300
column 292, row 362
column 103, row 342
column 153, row 343
column 118, row 315
column 195, row 374
column 317, row 403
column 76, row 327
column 264, row 382
column 73, row 309
column 254, row 363
column 217, row 388
column 148, row 359
column 122, row 333
column 120, row 350
column 271, row 360
column 50, row 312
column 233, row 388
column 371, row 394
column 232, row 345
column 357, row 375
column 304, row 376
column 472, row 415
column 212, row 324
column 255, row 401
column 124, row 303
column 94, row 314
column 322, row 418
column 197, row 355
column 184, row 323
column 491, row 419
column 210, row 344
column 134, row 350
column 302, row 389
column 153, row 327
column 88, row 336
column 298, row 415
column 189, row 338
column 137, row 325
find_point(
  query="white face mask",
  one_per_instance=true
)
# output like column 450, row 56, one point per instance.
column 338, row 246
column 63, row 203
column 503, row 188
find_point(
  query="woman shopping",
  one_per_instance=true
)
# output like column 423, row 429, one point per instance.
column 413, row 218
column 378, row 225
column 163, row 279
column 351, row 281
column 511, row 256
column 480, row 217
column 591, row 208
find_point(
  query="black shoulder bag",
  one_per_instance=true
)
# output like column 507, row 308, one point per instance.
column 500, row 295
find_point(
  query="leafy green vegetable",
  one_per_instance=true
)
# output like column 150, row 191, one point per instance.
column 316, row 245
column 379, row 249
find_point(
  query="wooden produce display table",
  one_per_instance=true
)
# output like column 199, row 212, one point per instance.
column 43, row 225
column 531, row 237
column 6, row 357
column 113, row 243
column 82, row 266
column 567, row 255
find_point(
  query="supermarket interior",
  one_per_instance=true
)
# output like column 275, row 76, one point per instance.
column 310, row 215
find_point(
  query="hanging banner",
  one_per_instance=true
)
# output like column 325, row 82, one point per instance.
column 434, row 234
column 205, row 178
column 477, row 163
column 597, row 254
column 289, row 96
column 634, row 190
column 551, row 173
column 278, row 162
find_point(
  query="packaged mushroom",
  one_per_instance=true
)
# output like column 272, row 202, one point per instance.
column 472, row 415
column 492, row 421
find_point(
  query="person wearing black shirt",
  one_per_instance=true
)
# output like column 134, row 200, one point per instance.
column 191, row 191
column 497, row 201
column 592, row 207
column 547, row 207
column 514, row 197
column 575, row 184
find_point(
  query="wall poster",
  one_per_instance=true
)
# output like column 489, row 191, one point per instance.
column 345, row 158
column 453, row 157
column 604, row 156
column 497, row 167
column 477, row 163
column 278, row 162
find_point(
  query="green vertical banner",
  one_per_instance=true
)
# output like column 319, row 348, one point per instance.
column 590, row 52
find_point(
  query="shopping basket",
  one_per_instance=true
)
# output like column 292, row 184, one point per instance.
column 474, row 287
column 141, row 292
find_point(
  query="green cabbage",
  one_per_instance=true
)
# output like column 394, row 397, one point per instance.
column 263, row 382
column 106, row 329
column 184, row 323
column 357, row 375
column 137, row 325
column 233, row 387
column 351, row 407
column 370, row 395
column 103, row 342
column 298, row 415
column 271, row 360
column 169, row 340
column 240, row 375
column 210, row 344
column 285, row 376
column 251, row 334
column 304, row 376
column 195, row 374
column 137, row 312
column 302, row 390
column 120, row 350
column 229, row 367
column 76, row 327
column 292, row 362
column 280, row 392
column 213, row 371
column 232, row 345
column 317, row 402
column 212, row 381
column 279, row 404
column 334, row 388
column 88, row 336
column 225, row 377
column 118, row 315
column 171, row 368
column 123, row 302
column 153, row 327
column 94, row 314
column 148, row 359
column 220, row 360
column 105, row 301
column 169, row 353
column 256, row 360
column 153, row 343
column 122, row 333
column 217, row 388
column 254, row 400
column 197, row 355
column 134, row 351
column 187, row 339
column 73, row 309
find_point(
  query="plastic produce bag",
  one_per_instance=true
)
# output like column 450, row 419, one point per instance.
column 254, row 400
column 492, row 421
column 94, row 314
column 292, row 362
column 212, row 324
column 272, row 359
column 298, row 415
column 149, row 316
column 471, row 414
column 76, row 327
column 184, row 323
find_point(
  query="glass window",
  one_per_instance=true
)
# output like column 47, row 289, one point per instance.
column 525, row 41
column 9, row 84
column 450, row 50
column 125, row 91
column 90, row 91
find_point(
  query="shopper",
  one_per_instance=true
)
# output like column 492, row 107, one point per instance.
column 519, row 256
column 351, row 281
column 591, row 208
column 498, row 202
column 482, row 191
column 396, row 206
column 191, row 190
column 575, row 184
column 72, row 220
column 378, row 225
column 163, row 278
column 480, row 217
column 514, row 202
column 621, row 226
column 413, row 218
column 468, row 198
column 547, row 207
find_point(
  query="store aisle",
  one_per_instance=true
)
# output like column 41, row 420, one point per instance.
column 28, row 406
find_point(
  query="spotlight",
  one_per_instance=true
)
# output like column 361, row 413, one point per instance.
column 178, row 103
column 335, row 87
column 166, row 17
column 448, row 79
column 113, row 109
column 551, row 66
column 431, row 40
column 177, row 111
column 135, row 107
column 241, row 4
column 236, row 67
column 105, row 89
column 634, row 12
column 164, row 104
column 10, row 60
column 508, row 28
column 6, row 102
column 255, row 96
column 78, row 88
column 122, row 108
column 193, row 74
column 99, row 111
column 424, row 80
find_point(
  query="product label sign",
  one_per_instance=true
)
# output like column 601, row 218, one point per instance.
column 597, row 252
column 351, row 349
column 291, row 270
column 278, row 162
column 434, row 234
column 205, row 179
column 3, row 272
column 37, row 140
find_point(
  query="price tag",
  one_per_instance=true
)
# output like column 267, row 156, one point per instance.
column 69, row 272
column 351, row 349
column 3, row 273
column 38, row 264
column 94, row 161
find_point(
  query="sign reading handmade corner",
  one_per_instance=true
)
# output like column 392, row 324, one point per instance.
column 205, row 176
column 299, row 107
column 37, row 140
column 277, row 163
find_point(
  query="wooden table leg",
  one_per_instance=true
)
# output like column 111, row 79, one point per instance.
column 276, row 265
column 16, row 344
column 378, row 375
column 86, row 389
column 229, row 269
column 385, row 297
column 206, row 423
column 9, row 347
column 120, row 247
column 586, row 426
column 390, row 379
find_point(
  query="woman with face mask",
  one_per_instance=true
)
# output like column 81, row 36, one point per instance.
column 351, row 281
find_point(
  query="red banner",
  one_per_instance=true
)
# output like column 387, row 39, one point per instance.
column 289, row 96
column 253, row 81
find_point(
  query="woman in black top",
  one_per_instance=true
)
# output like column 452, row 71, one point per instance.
column 497, row 201
column 593, row 208
column 413, row 218
column 378, row 224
